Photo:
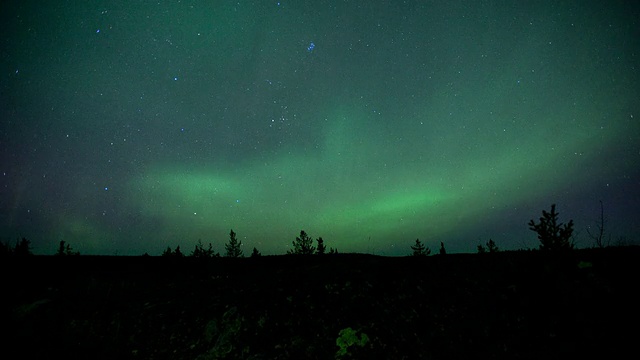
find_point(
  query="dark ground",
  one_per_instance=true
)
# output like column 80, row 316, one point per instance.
column 509, row 305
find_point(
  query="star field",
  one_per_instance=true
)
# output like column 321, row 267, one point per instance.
column 130, row 127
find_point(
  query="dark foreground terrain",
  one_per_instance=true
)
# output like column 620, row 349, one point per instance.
column 511, row 305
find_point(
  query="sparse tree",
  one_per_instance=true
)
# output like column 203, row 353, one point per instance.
column 302, row 245
column 255, row 253
column 442, row 250
column 321, row 247
column 553, row 236
column 233, row 247
column 419, row 249
column 598, row 236
column 333, row 251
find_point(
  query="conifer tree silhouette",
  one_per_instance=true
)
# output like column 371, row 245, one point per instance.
column 553, row 235
column 177, row 252
column 255, row 253
column 233, row 246
column 66, row 250
column 201, row 252
column 302, row 245
column 491, row 247
column 167, row 252
column 321, row 247
column 442, row 250
column 23, row 248
column 419, row 249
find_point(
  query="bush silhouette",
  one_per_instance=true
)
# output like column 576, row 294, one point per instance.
column 553, row 236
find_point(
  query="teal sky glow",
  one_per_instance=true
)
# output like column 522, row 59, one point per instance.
column 127, row 128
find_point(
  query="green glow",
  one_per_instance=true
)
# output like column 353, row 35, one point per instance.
column 352, row 188
column 427, row 123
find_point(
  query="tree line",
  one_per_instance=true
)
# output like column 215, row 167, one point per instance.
column 302, row 245
column 552, row 235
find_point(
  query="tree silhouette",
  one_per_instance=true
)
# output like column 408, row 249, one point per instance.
column 553, row 236
column 66, row 250
column 442, row 250
column 302, row 245
column 233, row 246
column 167, row 252
column 201, row 252
column 255, row 253
column 321, row 247
column 177, row 252
column 491, row 247
column 419, row 249
column 23, row 248
column 598, row 236
column 333, row 251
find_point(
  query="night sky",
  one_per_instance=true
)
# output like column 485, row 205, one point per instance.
column 130, row 126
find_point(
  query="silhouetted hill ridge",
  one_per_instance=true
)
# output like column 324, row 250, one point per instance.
column 520, row 304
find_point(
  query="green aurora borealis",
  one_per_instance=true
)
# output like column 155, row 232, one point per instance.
column 129, row 128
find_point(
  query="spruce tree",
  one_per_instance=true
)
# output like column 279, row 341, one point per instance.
column 481, row 249
column 553, row 236
column 65, row 249
column 419, row 249
column 302, row 245
column 255, row 253
column 23, row 248
column 492, row 247
column 233, row 246
column 167, row 252
column 321, row 247
column 177, row 252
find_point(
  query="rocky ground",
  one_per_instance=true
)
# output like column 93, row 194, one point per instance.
column 510, row 305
